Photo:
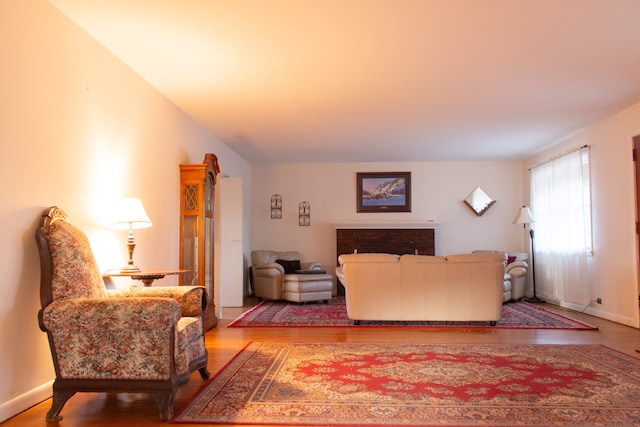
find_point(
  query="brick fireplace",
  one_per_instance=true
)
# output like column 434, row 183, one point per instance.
column 395, row 238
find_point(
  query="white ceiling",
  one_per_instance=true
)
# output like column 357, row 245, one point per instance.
column 379, row 80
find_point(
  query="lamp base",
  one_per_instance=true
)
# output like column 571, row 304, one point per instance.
column 534, row 300
column 130, row 268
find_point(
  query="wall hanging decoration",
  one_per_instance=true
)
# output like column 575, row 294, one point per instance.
column 276, row 206
column 478, row 201
column 384, row 191
column 304, row 214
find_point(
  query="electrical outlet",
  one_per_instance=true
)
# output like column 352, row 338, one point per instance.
column 599, row 300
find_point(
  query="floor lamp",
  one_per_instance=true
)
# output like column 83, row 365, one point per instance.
column 525, row 217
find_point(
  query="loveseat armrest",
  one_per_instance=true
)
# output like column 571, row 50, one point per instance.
column 516, row 268
column 268, row 269
column 311, row 265
column 91, row 315
column 192, row 299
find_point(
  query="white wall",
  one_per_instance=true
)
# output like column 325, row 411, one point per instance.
column 438, row 189
column 614, row 266
column 78, row 129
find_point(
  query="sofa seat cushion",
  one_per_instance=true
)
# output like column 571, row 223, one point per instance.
column 307, row 287
column 301, row 278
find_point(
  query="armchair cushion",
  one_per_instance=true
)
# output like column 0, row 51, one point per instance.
column 192, row 299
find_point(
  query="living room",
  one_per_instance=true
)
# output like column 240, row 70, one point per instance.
column 82, row 129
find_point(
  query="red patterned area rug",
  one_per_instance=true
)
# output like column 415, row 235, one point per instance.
column 351, row 384
column 283, row 314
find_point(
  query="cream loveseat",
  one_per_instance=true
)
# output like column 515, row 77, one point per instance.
column 282, row 276
column 515, row 274
column 466, row 287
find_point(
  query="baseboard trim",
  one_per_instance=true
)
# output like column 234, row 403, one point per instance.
column 25, row 401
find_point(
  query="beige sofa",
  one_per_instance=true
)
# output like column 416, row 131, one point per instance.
column 466, row 287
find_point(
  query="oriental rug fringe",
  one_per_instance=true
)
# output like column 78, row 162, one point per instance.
column 363, row 384
column 518, row 315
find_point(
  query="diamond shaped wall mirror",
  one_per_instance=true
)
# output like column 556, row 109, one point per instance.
column 478, row 201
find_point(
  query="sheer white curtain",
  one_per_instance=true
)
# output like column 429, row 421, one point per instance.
column 560, row 201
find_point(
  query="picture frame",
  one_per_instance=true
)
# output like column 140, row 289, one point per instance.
column 383, row 191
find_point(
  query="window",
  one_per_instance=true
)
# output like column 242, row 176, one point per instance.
column 561, row 205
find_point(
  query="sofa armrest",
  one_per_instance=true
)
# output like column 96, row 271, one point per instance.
column 192, row 299
column 112, row 338
column 98, row 315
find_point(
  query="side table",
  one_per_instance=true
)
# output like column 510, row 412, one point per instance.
column 145, row 276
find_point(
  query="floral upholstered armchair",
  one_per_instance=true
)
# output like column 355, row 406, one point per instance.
column 145, row 340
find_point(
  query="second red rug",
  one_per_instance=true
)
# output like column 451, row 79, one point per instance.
column 519, row 315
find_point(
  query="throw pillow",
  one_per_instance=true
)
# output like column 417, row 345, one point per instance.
column 290, row 266
column 510, row 259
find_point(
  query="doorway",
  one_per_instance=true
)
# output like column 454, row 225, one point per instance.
column 636, row 161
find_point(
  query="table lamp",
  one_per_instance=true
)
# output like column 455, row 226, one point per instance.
column 130, row 215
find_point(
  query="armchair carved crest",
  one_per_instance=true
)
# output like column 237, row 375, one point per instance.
column 143, row 340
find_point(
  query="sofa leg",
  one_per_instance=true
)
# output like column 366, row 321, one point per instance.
column 493, row 323
column 204, row 373
column 356, row 322
column 165, row 401
column 59, row 399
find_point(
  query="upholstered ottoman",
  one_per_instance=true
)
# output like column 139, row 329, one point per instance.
column 307, row 287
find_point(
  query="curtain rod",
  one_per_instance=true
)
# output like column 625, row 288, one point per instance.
column 569, row 151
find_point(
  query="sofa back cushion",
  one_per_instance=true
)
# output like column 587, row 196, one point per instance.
column 263, row 257
column 368, row 257
column 478, row 257
column 421, row 259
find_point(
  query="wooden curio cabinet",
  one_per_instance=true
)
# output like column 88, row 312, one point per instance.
column 197, row 186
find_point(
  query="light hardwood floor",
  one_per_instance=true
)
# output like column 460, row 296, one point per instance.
column 107, row 409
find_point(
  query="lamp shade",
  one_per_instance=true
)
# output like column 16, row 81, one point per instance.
column 130, row 214
column 524, row 216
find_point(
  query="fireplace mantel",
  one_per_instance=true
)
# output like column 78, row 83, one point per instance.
column 387, row 225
